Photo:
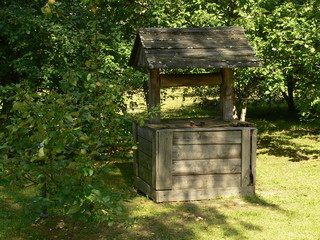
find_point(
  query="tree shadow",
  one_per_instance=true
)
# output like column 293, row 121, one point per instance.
column 275, row 138
column 177, row 220
column 170, row 221
column 285, row 148
column 13, row 214
column 187, row 221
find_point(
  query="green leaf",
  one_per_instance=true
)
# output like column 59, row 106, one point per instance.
column 60, row 147
column 73, row 209
column 41, row 152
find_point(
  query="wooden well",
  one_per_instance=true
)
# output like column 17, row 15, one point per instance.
column 194, row 159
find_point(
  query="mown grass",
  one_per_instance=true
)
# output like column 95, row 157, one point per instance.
column 286, row 205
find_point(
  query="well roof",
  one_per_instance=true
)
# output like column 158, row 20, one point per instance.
column 216, row 47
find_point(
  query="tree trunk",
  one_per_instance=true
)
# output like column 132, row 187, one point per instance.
column 289, row 96
column 244, row 104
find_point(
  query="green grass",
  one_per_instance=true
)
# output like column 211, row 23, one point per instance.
column 286, row 205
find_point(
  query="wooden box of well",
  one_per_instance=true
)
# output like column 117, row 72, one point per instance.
column 179, row 161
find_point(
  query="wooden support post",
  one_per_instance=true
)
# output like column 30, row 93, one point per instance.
column 253, row 155
column 164, row 160
column 246, row 158
column 154, row 94
column 226, row 94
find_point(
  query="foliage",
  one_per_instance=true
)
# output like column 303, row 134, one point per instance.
column 64, row 78
column 283, row 33
column 288, row 187
column 66, row 123
column 286, row 40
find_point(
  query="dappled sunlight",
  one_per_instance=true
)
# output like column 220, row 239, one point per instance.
column 296, row 148
column 190, row 220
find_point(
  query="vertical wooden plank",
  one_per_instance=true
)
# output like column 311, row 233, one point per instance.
column 154, row 160
column 135, row 152
column 246, row 154
column 164, row 161
column 226, row 94
column 253, row 155
column 154, row 93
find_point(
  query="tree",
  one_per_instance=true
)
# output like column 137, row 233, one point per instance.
column 65, row 123
column 285, row 38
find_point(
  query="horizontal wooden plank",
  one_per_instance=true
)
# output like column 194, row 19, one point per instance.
column 145, row 160
column 145, row 146
column 189, row 167
column 152, row 36
column 200, row 63
column 203, row 137
column 194, row 30
column 145, row 188
column 201, row 194
column 181, row 53
column 219, row 59
column 201, row 152
column 145, row 174
column 192, row 44
column 178, row 80
column 200, row 124
column 146, row 133
column 206, row 181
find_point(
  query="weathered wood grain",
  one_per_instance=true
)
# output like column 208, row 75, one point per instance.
column 145, row 146
column 223, row 47
column 200, row 63
column 193, row 44
column 145, row 174
column 145, row 160
column 193, row 30
column 155, row 153
column 214, row 59
column 201, row 194
column 142, row 59
column 246, row 158
column 191, row 167
column 154, row 93
column 206, row 181
column 253, row 155
column 226, row 94
column 209, row 151
column 179, row 164
column 207, row 137
column 199, row 53
column 146, row 133
column 179, row 80
column 164, row 161
column 153, row 36
column 145, row 188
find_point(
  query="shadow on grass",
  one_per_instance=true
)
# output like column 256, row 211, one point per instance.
column 275, row 139
column 189, row 220
column 166, row 221
column 13, row 216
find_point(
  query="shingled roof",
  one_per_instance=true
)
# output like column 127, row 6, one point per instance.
column 218, row 47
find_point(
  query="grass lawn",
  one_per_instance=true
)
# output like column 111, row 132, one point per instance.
column 286, row 205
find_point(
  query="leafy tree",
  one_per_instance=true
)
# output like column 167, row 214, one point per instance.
column 285, row 36
column 64, row 78
column 66, row 123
